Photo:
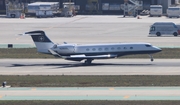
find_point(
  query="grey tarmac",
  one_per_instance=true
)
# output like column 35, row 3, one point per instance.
column 90, row 93
column 84, row 29
column 98, row 67
column 89, row 29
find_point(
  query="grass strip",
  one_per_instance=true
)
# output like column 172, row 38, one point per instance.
column 37, row 102
column 90, row 81
column 167, row 53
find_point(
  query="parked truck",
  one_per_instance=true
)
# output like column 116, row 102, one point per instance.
column 173, row 12
column 43, row 9
column 14, row 10
column 156, row 10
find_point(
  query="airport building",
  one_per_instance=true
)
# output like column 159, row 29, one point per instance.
column 97, row 6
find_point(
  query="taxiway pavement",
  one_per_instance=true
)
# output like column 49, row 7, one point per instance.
column 99, row 67
column 87, row 29
column 91, row 93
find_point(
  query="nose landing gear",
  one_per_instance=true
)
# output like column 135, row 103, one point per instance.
column 152, row 59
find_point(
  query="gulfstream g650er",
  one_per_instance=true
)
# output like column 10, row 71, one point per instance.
column 89, row 52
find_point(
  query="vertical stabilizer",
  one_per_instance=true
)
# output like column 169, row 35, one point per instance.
column 42, row 42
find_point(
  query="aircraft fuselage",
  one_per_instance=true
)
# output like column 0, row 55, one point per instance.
column 118, row 49
column 89, row 52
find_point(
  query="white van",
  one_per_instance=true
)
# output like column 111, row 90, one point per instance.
column 173, row 12
column 156, row 10
column 164, row 28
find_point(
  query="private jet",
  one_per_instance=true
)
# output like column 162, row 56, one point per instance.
column 89, row 52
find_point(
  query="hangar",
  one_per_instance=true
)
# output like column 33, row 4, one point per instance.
column 97, row 6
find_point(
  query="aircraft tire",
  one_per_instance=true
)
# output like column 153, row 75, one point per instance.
column 88, row 61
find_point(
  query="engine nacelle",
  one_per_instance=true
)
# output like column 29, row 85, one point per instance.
column 64, row 49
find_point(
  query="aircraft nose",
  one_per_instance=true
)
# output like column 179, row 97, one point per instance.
column 158, row 49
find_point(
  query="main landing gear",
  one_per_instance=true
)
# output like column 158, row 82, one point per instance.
column 88, row 61
column 152, row 59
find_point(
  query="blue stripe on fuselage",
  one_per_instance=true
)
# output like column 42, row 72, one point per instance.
column 122, row 53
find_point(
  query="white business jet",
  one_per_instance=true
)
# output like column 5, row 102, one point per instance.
column 89, row 52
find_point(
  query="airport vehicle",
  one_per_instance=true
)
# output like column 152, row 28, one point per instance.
column 43, row 9
column 68, row 9
column 89, row 52
column 173, row 12
column 14, row 10
column 156, row 10
column 166, row 28
column 44, row 13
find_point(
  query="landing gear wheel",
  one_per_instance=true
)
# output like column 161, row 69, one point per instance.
column 88, row 61
column 152, row 59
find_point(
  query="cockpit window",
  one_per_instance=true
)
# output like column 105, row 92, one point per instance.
column 147, row 45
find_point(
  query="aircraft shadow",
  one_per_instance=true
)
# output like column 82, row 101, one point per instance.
column 77, row 65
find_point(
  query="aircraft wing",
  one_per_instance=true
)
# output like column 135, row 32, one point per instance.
column 83, row 56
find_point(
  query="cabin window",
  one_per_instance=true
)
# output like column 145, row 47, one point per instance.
column 100, row 49
column 118, row 48
column 125, row 48
column 106, row 49
column 87, row 49
column 112, row 48
column 94, row 49
column 131, row 47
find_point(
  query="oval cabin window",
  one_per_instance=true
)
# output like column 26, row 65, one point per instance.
column 106, row 49
column 118, row 48
column 100, row 49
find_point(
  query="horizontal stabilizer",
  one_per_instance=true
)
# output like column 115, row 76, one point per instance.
column 30, row 34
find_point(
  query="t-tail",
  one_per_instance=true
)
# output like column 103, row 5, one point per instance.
column 42, row 42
